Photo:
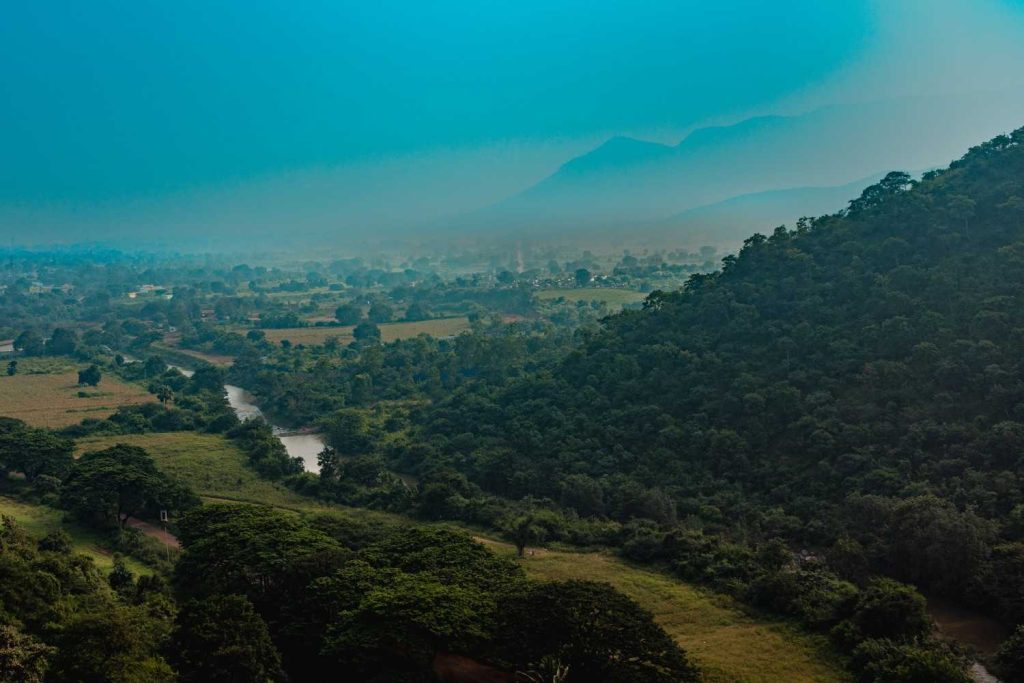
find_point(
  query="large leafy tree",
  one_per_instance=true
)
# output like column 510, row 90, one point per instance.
column 34, row 452
column 120, row 483
column 595, row 631
column 223, row 640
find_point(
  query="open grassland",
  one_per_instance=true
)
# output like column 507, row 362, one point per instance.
column 44, row 393
column 389, row 332
column 213, row 466
column 612, row 297
column 728, row 644
column 40, row 520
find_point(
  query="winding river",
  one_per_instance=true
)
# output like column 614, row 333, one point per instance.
column 304, row 446
column 298, row 445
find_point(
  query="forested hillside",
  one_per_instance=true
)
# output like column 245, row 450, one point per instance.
column 853, row 386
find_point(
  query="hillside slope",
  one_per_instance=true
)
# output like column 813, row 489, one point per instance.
column 857, row 380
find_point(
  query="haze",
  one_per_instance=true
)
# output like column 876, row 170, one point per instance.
column 189, row 125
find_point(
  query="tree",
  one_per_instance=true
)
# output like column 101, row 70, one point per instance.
column 23, row 659
column 223, row 639
column 90, row 375
column 890, row 609
column 121, row 483
column 1009, row 660
column 154, row 366
column 12, row 368
column 34, row 452
column 63, row 342
column 164, row 393
column 366, row 332
column 582, row 277
column 417, row 311
column 30, row 343
column 380, row 312
column 523, row 531
column 244, row 549
column 594, row 630
column 348, row 314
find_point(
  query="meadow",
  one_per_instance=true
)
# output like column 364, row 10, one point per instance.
column 614, row 298
column 45, row 393
column 213, row 466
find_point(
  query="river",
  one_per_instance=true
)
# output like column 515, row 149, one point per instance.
column 304, row 446
column 968, row 627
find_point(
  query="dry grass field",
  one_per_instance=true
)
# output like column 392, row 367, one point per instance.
column 389, row 332
column 728, row 644
column 44, row 393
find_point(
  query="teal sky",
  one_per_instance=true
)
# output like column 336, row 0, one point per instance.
column 107, row 105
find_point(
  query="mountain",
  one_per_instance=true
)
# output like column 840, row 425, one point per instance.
column 627, row 182
column 732, row 220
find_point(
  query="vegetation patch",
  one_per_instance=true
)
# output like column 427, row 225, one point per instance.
column 40, row 520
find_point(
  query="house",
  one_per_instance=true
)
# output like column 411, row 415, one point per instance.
column 6, row 347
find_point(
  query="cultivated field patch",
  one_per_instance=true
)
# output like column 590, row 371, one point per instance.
column 389, row 332
column 46, row 394
column 611, row 297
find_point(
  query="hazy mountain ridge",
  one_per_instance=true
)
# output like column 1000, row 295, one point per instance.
column 626, row 182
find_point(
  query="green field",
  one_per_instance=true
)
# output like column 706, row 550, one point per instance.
column 606, row 295
column 39, row 520
column 728, row 644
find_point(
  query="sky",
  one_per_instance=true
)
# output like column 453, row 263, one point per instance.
column 152, row 118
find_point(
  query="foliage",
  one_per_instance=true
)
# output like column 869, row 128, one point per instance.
column 120, row 483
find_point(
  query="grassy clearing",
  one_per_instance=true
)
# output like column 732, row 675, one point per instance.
column 39, row 520
column 728, row 644
column 607, row 295
column 213, row 466
column 45, row 391
column 389, row 332
column 211, row 358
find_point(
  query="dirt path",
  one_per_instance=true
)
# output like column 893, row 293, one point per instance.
column 165, row 537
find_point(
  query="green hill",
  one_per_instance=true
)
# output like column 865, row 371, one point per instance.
column 852, row 386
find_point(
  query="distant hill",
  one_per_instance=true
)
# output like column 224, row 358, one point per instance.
column 625, row 182
column 734, row 219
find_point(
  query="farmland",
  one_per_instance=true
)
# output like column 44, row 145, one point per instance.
column 615, row 298
column 45, row 393
column 440, row 327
